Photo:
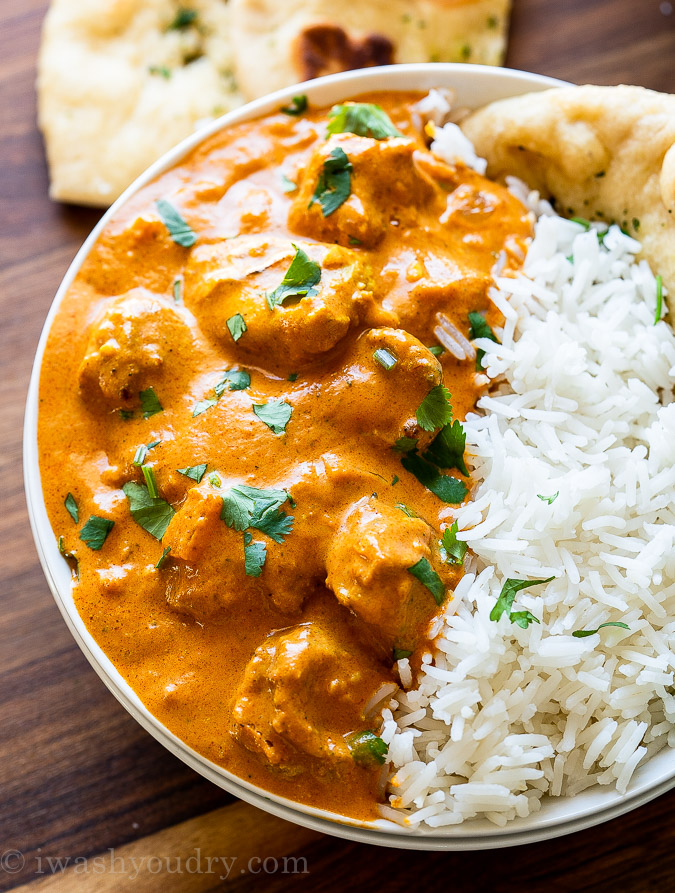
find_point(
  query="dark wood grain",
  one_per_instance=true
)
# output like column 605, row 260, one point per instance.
column 77, row 774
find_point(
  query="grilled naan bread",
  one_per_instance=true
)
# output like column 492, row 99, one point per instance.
column 277, row 44
column 605, row 153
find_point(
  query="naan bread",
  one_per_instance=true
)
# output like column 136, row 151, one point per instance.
column 280, row 43
column 118, row 86
column 602, row 152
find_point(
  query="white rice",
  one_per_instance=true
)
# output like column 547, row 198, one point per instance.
column 582, row 407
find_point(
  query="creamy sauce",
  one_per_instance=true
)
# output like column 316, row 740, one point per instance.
column 269, row 675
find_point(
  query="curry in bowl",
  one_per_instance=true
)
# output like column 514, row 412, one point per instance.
column 250, row 432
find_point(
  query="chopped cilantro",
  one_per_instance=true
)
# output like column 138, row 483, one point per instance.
column 429, row 578
column 478, row 328
column 435, row 410
column 636, row 224
column 405, row 445
column 142, row 452
column 582, row 633
column 214, row 479
column 447, row 448
column 233, row 380
column 293, row 376
column 275, row 414
column 288, row 185
column 245, row 507
column 394, row 480
column 178, row 290
column 298, row 106
column 179, row 230
column 411, row 513
column 504, row 603
column 150, row 481
column 95, row 531
column 354, row 241
column 184, row 18
column 203, row 405
column 659, row 299
column 301, row 277
column 161, row 70
column 448, row 489
column 150, row 403
column 549, row 499
column 523, row 618
column 385, row 358
column 194, row 472
column 237, row 326
column 152, row 514
column 363, row 119
column 71, row 507
column 401, row 653
column 162, row 558
column 254, row 556
column 454, row 549
column 367, row 749
column 492, row 21
column 334, row 184
column 125, row 414
column 582, row 222
column 70, row 557
column 436, row 350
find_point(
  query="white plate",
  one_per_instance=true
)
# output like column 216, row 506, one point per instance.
column 474, row 86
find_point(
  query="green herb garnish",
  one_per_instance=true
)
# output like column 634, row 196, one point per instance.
column 478, row 328
column 161, row 70
column 245, row 507
column 582, row 222
column 150, row 481
column 150, row 403
column 385, row 358
column 401, row 654
column 255, row 555
column 411, row 513
column 70, row 557
column 152, row 514
column 363, row 119
column 301, row 277
column 233, row 380
column 194, row 472
column 288, row 185
column 162, row 558
column 582, row 633
column 298, row 106
column 435, row 410
column 505, row 601
column 367, row 749
column 549, row 499
column 436, row 350
column 178, row 290
column 179, row 230
column 429, row 578
column 405, row 444
column 276, row 414
column 203, row 405
column 293, row 376
column 95, row 531
column 237, row 326
column 454, row 549
column 71, row 507
column 184, row 18
column 334, row 184
column 142, row 452
column 448, row 489
column 659, row 299
column 447, row 448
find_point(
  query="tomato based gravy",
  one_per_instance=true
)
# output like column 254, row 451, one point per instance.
column 250, row 432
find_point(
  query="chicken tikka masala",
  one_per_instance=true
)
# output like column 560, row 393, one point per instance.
column 250, row 432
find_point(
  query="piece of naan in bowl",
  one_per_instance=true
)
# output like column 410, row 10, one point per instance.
column 277, row 44
column 604, row 153
column 121, row 81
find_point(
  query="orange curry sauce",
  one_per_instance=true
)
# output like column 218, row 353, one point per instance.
column 270, row 675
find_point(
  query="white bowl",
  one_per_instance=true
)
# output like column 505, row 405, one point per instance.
column 475, row 85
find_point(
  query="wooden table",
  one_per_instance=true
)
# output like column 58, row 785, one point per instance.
column 78, row 777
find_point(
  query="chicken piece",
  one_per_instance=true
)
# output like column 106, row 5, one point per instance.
column 127, row 349
column 367, row 399
column 385, row 185
column 369, row 570
column 302, row 692
column 207, row 572
column 236, row 276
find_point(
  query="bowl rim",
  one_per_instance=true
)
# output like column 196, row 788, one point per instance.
column 483, row 84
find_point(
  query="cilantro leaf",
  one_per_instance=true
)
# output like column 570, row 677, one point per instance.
column 95, row 531
column 162, row 558
column 150, row 480
column 385, row 358
column 194, row 472
column 177, row 290
column 335, row 182
column 287, row 184
column 435, row 410
column 245, row 507
column 448, row 489
column 401, row 653
column 411, row 513
column 478, row 328
column 405, row 445
column 447, row 448
column 150, row 403
column 454, row 549
column 523, row 618
column 142, row 452
column 275, row 523
column 436, row 350
column 511, row 586
column 237, row 326
column 367, row 749
column 582, row 633
column 275, row 414
column 363, row 119
column 184, row 18
column 659, row 299
column 429, row 578
column 179, row 230
column 549, row 499
column 299, row 281
column 255, row 555
column 151, row 514
column 203, row 405
column 297, row 107
column 71, row 507
column 71, row 558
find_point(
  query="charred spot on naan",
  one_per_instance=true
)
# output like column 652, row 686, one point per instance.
column 325, row 49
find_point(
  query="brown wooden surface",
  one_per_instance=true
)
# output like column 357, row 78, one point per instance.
column 77, row 775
